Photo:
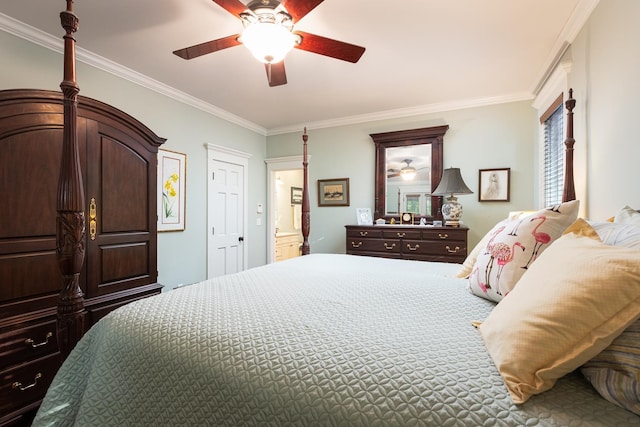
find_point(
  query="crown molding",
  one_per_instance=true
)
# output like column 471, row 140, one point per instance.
column 404, row 112
column 34, row 35
column 576, row 22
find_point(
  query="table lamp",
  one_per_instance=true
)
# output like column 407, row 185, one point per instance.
column 451, row 184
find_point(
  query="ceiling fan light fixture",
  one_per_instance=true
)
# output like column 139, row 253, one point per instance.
column 268, row 42
column 408, row 173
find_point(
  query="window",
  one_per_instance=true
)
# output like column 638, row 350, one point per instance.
column 553, row 147
column 413, row 203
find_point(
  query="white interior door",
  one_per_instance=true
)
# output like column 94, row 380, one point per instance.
column 226, row 203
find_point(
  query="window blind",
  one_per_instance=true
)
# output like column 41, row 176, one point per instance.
column 553, row 156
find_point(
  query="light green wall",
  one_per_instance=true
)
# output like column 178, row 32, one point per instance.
column 478, row 138
column 604, row 75
column 181, row 255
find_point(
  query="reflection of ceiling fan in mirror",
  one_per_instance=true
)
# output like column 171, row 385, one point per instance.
column 268, row 34
column 407, row 172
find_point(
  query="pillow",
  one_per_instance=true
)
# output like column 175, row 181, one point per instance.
column 618, row 234
column 627, row 215
column 582, row 227
column 569, row 306
column 470, row 261
column 514, row 246
column 615, row 372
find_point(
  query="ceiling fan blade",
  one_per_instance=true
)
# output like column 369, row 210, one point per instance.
column 329, row 47
column 234, row 7
column 299, row 8
column 276, row 74
column 207, row 47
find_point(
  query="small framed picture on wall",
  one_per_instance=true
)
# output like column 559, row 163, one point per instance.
column 333, row 192
column 296, row 195
column 494, row 185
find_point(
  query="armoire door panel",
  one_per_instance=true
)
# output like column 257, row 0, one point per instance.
column 29, row 173
column 124, row 188
column 31, row 274
column 127, row 261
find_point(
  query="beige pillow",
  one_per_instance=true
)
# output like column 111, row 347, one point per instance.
column 470, row 261
column 582, row 228
column 573, row 301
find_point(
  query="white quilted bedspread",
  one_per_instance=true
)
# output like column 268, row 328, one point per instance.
column 321, row 340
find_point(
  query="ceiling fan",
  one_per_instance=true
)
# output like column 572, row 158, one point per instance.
column 269, row 35
column 407, row 172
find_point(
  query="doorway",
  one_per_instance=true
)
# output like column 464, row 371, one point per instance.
column 285, row 177
column 226, row 210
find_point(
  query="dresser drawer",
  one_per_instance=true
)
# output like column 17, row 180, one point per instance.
column 28, row 343
column 402, row 234
column 27, row 383
column 443, row 248
column 363, row 232
column 447, row 234
column 355, row 245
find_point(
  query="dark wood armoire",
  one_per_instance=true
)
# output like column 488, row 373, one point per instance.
column 118, row 162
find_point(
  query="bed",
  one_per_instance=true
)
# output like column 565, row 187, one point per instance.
column 334, row 340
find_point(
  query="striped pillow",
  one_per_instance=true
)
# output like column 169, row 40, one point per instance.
column 618, row 234
column 615, row 372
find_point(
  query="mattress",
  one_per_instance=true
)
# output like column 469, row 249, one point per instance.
column 319, row 340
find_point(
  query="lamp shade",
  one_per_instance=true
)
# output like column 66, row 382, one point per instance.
column 451, row 183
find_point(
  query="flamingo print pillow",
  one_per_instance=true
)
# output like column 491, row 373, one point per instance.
column 513, row 245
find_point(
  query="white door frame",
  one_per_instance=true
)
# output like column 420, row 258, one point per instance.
column 274, row 165
column 229, row 155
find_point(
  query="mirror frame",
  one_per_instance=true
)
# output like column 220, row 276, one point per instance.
column 431, row 135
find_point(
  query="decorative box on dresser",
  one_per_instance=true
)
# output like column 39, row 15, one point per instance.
column 423, row 243
column 118, row 159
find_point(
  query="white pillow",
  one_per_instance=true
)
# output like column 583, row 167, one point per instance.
column 514, row 245
column 627, row 215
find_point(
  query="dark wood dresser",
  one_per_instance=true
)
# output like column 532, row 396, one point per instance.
column 441, row 244
column 118, row 159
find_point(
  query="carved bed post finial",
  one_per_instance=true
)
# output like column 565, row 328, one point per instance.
column 70, row 220
column 569, row 192
column 306, row 217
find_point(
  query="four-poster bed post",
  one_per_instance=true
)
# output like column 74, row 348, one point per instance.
column 568, row 191
column 306, row 217
column 70, row 221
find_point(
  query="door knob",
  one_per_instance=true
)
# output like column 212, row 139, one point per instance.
column 240, row 239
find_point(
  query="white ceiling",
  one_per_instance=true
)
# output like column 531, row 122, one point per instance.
column 422, row 55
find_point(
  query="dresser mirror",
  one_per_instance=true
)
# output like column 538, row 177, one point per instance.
column 408, row 169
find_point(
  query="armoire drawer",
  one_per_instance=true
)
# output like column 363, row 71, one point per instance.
column 28, row 343
column 27, row 383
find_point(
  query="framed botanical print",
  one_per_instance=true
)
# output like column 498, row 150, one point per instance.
column 172, row 177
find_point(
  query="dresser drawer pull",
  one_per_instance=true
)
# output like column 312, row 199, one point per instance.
column 401, row 234
column 364, row 233
column 389, row 247
column 356, row 245
column 30, row 342
column 415, row 248
column 19, row 385
column 443, row 236
column 452, row 251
